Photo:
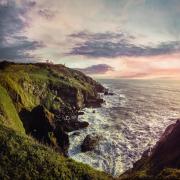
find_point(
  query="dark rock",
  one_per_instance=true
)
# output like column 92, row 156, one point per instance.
column 71, row 125
column 38, row 123
column 77, row 133
column 93, row 111
column 147, row 153
column 90, row 142
column 80, row 113
column 95, row 102
column 107, row 93
column 62, row 140
column 166, row 152
column 99, row 88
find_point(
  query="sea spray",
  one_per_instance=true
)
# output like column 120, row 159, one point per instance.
column 130, row 121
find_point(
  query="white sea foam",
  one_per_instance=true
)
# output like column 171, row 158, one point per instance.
column 129, row 122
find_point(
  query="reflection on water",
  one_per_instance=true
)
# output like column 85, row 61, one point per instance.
column 130, row 121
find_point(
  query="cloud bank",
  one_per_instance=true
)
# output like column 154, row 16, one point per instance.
column 110, row 45
column 85, row 33
column 13, row 44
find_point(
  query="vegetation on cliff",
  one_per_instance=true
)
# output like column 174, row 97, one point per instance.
column 22, row 157
column 34, row 98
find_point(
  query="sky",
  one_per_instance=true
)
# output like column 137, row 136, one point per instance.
column 103, row 38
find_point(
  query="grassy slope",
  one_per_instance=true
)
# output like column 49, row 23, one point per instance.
column 8, row 114
column 20, row 155
column 30, row 83
column 24, row 158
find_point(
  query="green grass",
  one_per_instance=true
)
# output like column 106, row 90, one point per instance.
column 21, row 156
column 8, row 113
column 30, row 82
column 24, row 158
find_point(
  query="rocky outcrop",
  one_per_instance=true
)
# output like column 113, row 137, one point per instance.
column 48, row 98
column 166, row 152
column 162, row 161
column 41, row 124
column 38, row 122
column 42, row 100
column 107, row 93
column 90, row 142
column 94, row 102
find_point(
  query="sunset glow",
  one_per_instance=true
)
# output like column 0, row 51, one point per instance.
column 138, row 39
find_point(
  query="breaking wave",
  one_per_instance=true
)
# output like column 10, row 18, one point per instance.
column 129, row 122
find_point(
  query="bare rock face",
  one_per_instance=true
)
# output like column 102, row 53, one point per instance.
column 166, row 152
column 90, row 142
column 40, row 124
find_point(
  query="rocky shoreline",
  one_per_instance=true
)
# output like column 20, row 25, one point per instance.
column 59, row 123
column 49, row 100
column 160, row 162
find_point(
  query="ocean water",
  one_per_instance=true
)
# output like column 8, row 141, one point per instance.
column 130, row 121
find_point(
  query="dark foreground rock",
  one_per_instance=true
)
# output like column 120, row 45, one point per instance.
column 49, row 129
column 162, row 161
column 90, row 142
column 166, row 152
column 41, row 124
column 38, row 122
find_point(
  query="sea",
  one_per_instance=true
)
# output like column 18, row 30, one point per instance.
column 129, row 122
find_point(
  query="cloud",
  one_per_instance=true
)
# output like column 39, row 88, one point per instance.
column 46, row 13
column 148, row 67
column 13, row 44
column 19, row 50
column 96, row 69
column 110, row 45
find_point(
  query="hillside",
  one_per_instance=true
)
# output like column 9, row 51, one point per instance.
column 39, row 104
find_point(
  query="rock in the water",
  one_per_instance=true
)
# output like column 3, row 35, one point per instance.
column 81, row 113
column 77, row 133
column 95, row 102
column 107, row 93
column 73, row 125
column 90, row 142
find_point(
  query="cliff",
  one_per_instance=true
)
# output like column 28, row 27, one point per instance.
column 162, row 161
column 39, row 104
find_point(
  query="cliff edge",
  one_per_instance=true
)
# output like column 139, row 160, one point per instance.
column 39, row 104
column 162, row 162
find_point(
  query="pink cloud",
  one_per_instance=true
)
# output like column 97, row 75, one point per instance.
column 148, row 67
